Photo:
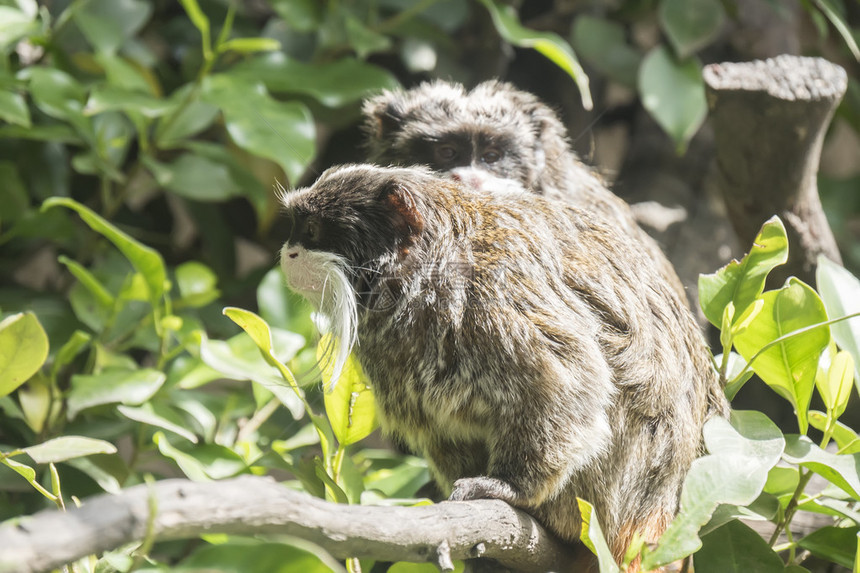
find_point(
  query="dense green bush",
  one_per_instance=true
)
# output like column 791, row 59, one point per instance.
column 139, row 140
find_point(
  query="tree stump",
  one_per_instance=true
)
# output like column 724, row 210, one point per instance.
column 769, row 119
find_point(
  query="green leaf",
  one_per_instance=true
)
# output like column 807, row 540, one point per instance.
column 108, row 24
column 192, row 468
column 145, row 260
column 249, row 45
column 674, row 94
column 691, row 24
column 194, row 177
column 241, row 360
column 550, row 45
column 197, row 284
column 109, row 98
column 840, row 291
column 68, row 447
column 187, row 118
column 364, row 40
column 201, row 22
column 349, row 406
column 840, row 470
column 281, row 307
column 36, row 401
column 837, row 544
column 741, row 282
column 28, row 474
column 835, row 383
column 789, row 366
column 838, row 21
column 23, row 350
column 736, row 548
column 13, row 108
column 281, row 131
column 603, row 44
column 333, row 84
column 843, row 435
column 131, row 387
column 592, row 537
column 741, row 455
column 101, row 294
column 160, row 416
column 59, row 95
column 14, row 25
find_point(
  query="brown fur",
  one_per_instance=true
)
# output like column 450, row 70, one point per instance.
column 410, row 127
column 529, row 350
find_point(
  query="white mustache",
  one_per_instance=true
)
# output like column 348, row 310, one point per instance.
column 321, row 278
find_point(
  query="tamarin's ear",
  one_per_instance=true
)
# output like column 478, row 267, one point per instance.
column 403, row 210
column 383, row 115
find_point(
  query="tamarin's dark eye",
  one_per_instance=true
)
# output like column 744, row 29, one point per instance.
column 313, row 230
column 491, row 156
column 445, row 152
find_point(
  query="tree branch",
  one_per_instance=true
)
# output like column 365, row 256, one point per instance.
column 769, row 119
column 256, row 505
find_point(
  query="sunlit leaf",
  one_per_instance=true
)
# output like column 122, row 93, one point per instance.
column 741, row 282
column 788, row 367
column 840, row 291
column 736, row 548
column 349, row 406
column 68, row 447
column 14, row 109
column 23, row 350
column 157, row 415
column 840, row 470
column 131, row 387
column 549, row 44
column 592, row 537
column 734, row 472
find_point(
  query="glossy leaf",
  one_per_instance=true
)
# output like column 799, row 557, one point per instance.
column 835, row 383
column 159, row 416
column 349, row 406
column 28, row 474
column 145, row 260
column 100, row 293
column 109, row 98
column 673, row 92
column 186, row 118
column 59, row 95
column 14, row 109
column 788, row 367
column 691, row 25
column 197, row 283
column 195, row 177
column 333, row 84
column 191, row 467
column 736, row 470
column 68, row 447
column 132, row 387
column 281, row 131
column 736, row 548
column 36, row 401
column 840, row 470
column 740, row 282
column 549, row 44
column 592, row 537
column 23, row 350
column 837, row 544
column 840, row 291
column 603, row 44
column 843, row 435
column 736, row 377
column 250, row 45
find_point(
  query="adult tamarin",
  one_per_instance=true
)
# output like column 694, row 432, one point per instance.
column 492, row 132
column 527, row 348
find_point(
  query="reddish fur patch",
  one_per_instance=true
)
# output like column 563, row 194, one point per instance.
column 650, row 529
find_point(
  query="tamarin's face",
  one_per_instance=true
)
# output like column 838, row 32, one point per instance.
column 492, row 132
column 341, row 232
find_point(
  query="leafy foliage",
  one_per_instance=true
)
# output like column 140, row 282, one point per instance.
column 126, row 351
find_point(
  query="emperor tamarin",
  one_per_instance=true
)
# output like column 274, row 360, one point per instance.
column 523, row 346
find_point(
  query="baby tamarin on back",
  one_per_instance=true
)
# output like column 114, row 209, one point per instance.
column 492, row 132
column 524, row 346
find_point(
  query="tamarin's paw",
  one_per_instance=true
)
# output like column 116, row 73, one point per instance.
column 484, row 488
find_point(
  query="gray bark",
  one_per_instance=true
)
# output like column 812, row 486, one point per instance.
column 255, row 505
